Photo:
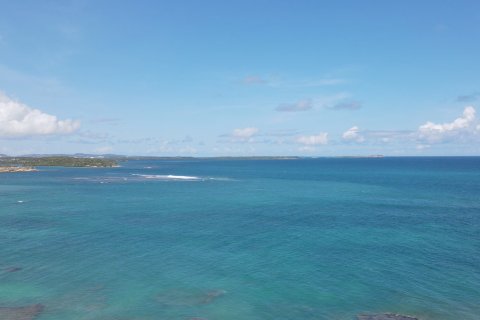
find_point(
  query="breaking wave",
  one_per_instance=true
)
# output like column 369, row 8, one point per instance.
column 169, row 177
column 143, row 177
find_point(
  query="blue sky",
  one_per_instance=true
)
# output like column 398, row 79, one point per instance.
column 210, row 78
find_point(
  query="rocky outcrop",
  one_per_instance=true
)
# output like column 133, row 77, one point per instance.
column 16, row 169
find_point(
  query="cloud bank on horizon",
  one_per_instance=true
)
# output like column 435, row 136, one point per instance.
column 20, row 121
column 465, row 128
column 244, row 134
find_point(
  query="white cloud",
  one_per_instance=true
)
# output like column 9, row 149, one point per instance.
column 330, row 100
column 353, row 134
column 460, row 123
column 19, row 120
column 434, row 132
column 244, row 133
column 319, row 139
column 464, row 129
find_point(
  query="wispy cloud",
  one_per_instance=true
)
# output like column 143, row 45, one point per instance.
column 301, row 105
column 19, row 120
column 322, row 82
column 167, row 148
column 103, row 149
column 313, row 140
column 328, row 101
column 38, row 84
column 421, row 147
column 276, row 137
column 254, row 79
column 350, row 105
column 253, row 135
column 333, row 101
column 244, row 133
column 95, row 135
column 140, row 141
column 388, row 136
column 280, row 133
column 375, row 137
column 92, row 137
column 468, row 97
column 111, row 121
column 278, row 82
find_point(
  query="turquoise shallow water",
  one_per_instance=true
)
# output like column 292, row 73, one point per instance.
column 292, row 239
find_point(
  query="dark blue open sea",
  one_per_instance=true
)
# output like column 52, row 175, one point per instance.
column 244, row 240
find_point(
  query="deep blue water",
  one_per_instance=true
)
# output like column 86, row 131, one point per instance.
column 290, row 239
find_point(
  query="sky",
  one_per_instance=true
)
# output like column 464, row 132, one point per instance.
column 240, row 78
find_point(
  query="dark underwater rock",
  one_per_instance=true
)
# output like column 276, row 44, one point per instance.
column 189, row 298
column 21, row 313
column 385, row 316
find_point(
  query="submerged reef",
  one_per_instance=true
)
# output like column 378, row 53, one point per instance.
column 21, row 313
column 13, row 269
column 385, row 316
column 188, row 298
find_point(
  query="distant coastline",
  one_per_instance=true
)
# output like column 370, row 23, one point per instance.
column 29, row 164
column 113, row 160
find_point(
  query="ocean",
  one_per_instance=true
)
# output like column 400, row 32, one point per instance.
column 325, row 238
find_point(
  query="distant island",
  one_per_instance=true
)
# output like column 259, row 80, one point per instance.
column 26, row 164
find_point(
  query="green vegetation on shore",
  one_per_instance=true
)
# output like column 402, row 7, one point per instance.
column 57, row 161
